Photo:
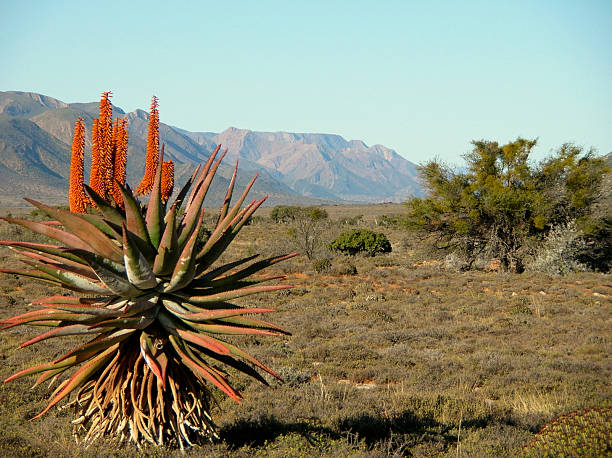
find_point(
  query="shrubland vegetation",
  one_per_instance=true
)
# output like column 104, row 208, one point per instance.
column 408, row 352
column 390, row 355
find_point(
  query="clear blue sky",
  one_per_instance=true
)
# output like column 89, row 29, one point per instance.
column 424, row 78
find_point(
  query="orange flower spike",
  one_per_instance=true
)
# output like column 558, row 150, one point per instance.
column 106, row 132
column 120, row 148
column 76, row 195
column 167, row 184
column 95, row 181
column 146, row 184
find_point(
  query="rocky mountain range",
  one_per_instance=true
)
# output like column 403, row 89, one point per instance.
column 36, row 134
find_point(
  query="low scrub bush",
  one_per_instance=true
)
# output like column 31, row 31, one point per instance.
column 361, row 241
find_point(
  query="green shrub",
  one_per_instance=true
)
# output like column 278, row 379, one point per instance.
column 361, row 241
column 321, row 266
column 585, row 432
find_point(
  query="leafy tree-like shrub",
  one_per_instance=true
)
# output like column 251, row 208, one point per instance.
column 503, row 205
column 361, row 241
column 152, row 298
column 585, row 432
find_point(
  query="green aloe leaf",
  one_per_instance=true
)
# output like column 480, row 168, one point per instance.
column 228, row 195
column 70, row 330
column 203, row 370
column 184, row 270
column 54, row 250
column 229, row 295
column 81, row 376
column 134, row 221
column 204, row 278
column 185, row 189
column 194, row 209
column 60, row 263
column 117, row 283
column 69, row 279
column 66, row 238
column 83, row 229
column 168, row 246
column 139, row 272
column 216, row 314
column 110, row 213
column 154, row 218
column 147, row 350
column 200, row 178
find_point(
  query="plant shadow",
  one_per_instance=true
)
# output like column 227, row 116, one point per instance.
column 368, row 428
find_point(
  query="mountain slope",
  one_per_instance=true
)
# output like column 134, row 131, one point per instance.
column 294, row 168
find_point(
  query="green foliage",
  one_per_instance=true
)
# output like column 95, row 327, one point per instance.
column 290, row 213
column 585, row 432
column 322, row 266
column 361, row 241
column 503, row 204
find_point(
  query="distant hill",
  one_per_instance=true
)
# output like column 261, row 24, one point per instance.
column 36, row 133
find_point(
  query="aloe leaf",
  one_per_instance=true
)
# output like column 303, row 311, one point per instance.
column 69, row 300
column 65, row 237
column 200, row 178
column 228, row 330
column 229, row 295
column 54, row 250
column 83, row 229
column 138, row 270
column 250, row 270
column 141, row 304
column 146, row 350
column 235, row 351
column 202, row 340
column 70, row 330
column 32, row 274
column 168, row 246
column 185, row 189
column 193, row 211
column 211, row 275
column 154, row 217
column 228, row 195
column 203, row 371
column 46, row 315
column 252, row 323
column 100, row 223
column 184, row 270
column 81, row 376
column 211, row 253
column 134, row 220
column 88, row 309
column 68, row 278
column 133, row 322
column 116, row 283
column 63, row 264
column 235, row 363
column 109, row 212
column 74, row 357
column 216, row 314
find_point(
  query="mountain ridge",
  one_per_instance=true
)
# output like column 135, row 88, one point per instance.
column 294, row 168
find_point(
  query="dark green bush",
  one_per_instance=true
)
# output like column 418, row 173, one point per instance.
column 321, row 266
column 361, row 241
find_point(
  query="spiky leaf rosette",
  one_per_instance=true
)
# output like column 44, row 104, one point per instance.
column 155, row 305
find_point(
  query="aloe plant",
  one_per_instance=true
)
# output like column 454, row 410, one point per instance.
column 154, row 307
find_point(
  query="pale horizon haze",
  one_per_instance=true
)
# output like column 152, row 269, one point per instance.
column 423, row 78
